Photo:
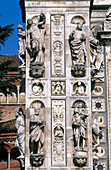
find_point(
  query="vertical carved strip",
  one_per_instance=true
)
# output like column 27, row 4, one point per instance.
column 57, row 45
column 58, row 133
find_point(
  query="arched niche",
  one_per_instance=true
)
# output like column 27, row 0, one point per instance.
column 37, row 104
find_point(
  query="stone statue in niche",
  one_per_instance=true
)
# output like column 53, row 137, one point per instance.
column 21, row 51
column 96, row 136
column 77, row 42
column 20, row 139
column 36, row 44
column 79, row 126
column 96, row 54
column 79, row 88
column 37, row 124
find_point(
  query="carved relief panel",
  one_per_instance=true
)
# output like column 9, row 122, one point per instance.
column 57, row 45
column 58, row 88
column 98, row 105
column 79, row 88
column 58, row 133
column 37, row 88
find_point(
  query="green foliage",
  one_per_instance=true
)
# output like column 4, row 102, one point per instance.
column 5, row 32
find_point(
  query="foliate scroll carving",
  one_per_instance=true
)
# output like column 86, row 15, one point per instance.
column 77, row 43
column 20, row 139
column 37, row 124
column 79, row 126
column 57, row 45
column 58, row 135
column 36, row 44
column 21, row 51
column 96, row 55
column 58, row 87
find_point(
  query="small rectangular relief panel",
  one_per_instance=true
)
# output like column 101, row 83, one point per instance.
column 58, row 88
column 57, row 45
column 98, row 105
column 79, row 88
column 58, row 133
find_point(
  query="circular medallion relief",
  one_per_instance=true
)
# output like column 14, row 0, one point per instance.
column 37, row 88
column 101, row 120
column 98, row 90
column 58, row 47
column 100, row 152
column 98, row 105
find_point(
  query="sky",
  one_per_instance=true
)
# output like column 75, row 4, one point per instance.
column 10, row 13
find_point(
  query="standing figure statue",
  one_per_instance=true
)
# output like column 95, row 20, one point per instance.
column 20, row 126
column 37, row 125
column 21, row 43
column 35, row 38
column 77, row 42
column 96, row 57
column 79, row 128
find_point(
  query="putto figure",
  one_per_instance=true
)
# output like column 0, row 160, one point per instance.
column 20, row 126
column 36, row 43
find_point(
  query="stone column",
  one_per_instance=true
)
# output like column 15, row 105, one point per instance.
column 8, row 159
column 18, row 91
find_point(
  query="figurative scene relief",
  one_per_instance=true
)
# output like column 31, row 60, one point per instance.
column 96, row 55
column 58, row 88
column 37, row 125
column 79, row 88
column 58, row 135
column 57, row 45
column 36, row 44
column 79, row 127
column 77, row 43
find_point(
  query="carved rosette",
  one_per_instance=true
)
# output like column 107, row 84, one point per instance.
column 58, row 133
column 57, row 45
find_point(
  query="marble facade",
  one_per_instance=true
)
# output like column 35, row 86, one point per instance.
column 66, row 80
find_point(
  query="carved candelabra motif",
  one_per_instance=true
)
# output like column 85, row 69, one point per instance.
column 57, row 45
column 77, row 43
column 58, row 135
column 36, row 44
column 79, row 126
